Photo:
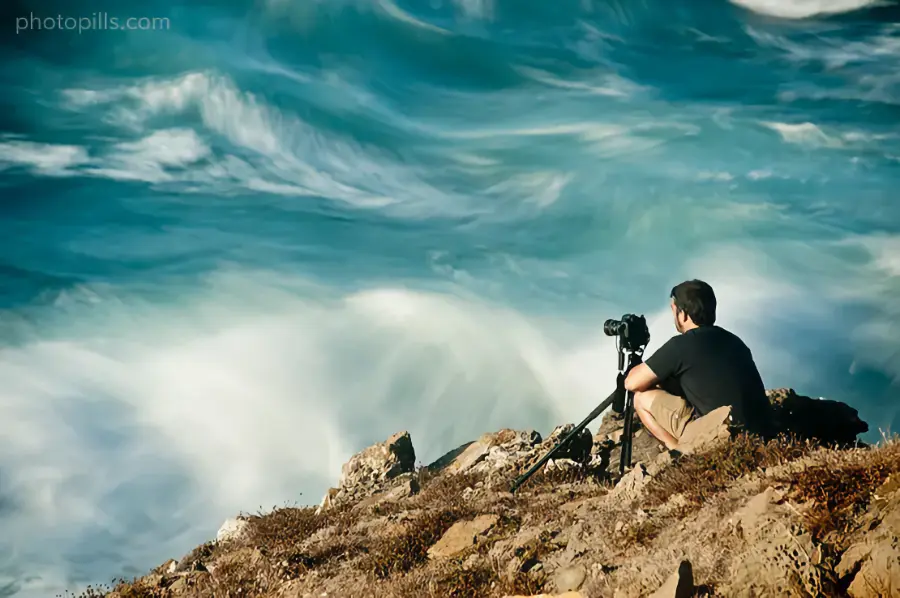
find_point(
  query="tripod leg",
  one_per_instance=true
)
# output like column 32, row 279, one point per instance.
column 627, row 432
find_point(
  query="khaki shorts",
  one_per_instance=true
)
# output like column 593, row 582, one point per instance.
column 671, row 412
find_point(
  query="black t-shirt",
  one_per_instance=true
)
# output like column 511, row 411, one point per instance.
column 711, row 367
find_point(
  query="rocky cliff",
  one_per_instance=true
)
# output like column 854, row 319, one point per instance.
column 810, row 513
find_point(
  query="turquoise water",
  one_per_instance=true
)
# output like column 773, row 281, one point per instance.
column 239, row 248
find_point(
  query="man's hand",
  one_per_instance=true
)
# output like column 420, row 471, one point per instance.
column 640, row 378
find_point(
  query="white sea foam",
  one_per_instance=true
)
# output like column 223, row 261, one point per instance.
column 42, row 158
column 152, row 423
column 804, row 134
column 292, row 158
column 605, row 84
column 149, row 158
column 802, row 9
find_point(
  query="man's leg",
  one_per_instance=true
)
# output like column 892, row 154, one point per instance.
column 665, row 415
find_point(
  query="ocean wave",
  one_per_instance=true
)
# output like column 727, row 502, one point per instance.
column 294, row 158
column 47, row 159
column 802, row 9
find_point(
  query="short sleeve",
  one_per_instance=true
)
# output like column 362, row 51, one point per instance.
column 667, row 360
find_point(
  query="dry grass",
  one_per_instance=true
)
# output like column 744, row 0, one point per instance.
column 700, row 477
column 841, row 490
column 136, row 588
column 838, row 486
column 400, row 553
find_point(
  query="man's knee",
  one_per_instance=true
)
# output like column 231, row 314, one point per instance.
column 643, row 400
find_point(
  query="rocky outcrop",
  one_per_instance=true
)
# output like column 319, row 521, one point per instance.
column 780, row 557
column 821, row 419
column 449, row 530
column 706, row 432
column 232, row 529
column 496, row 451
column 372, row 471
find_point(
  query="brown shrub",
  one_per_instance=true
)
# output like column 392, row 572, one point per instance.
column 136, row 588
column 446, row 490
column 201, row 554
column 459, row 582
column 236, row 577
column 402, row 552
column 284, row 528
column 544, row 480
column 643, row 532
column 701, row 476
column 841, row 491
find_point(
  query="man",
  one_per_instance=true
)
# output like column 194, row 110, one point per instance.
column 702, row 369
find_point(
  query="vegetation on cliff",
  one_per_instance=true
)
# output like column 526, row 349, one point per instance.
column 737, row 516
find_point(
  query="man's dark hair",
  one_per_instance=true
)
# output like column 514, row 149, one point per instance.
column 696, row 299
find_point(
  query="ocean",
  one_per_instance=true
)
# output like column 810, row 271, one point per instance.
column 242, row 241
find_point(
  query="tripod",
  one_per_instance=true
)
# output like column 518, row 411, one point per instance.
column 625, row 404
column 622, row 401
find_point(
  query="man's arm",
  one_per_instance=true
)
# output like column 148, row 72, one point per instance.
column 641, row 378
column 666, row 362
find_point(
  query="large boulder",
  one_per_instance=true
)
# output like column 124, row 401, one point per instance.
column 820, row 419
column 380, row 462
column 493, row 452
column 373, row 470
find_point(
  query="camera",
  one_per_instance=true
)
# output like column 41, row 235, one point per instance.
column 631, row 329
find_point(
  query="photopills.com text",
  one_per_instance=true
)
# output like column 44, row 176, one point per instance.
column 98, row 21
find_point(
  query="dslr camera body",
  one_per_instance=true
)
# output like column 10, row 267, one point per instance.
column 632, row 332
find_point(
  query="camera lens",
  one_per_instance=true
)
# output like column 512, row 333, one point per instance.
column 612, row 327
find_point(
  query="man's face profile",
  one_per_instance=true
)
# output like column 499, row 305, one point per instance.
column 679, row 326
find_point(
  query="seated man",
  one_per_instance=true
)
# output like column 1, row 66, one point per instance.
column 702, row 369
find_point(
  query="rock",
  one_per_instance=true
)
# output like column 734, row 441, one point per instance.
column 852, row 559
column 328, row 501
column 462, row 535
column 232, row 529
column 705, row 432
column 569, row 578
column 873, row 564
column 473, row 455
column 661, row 462
column 496, row 451
column 879, row 575
column 562, row 465
column 679, row 585
column 778, row 555
column 167, row 568
column 406, row 485
column 179, row 586
column 632, row 483
column 822, row 419
column 380, row 462
column 372, row 471
column 644, row 448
